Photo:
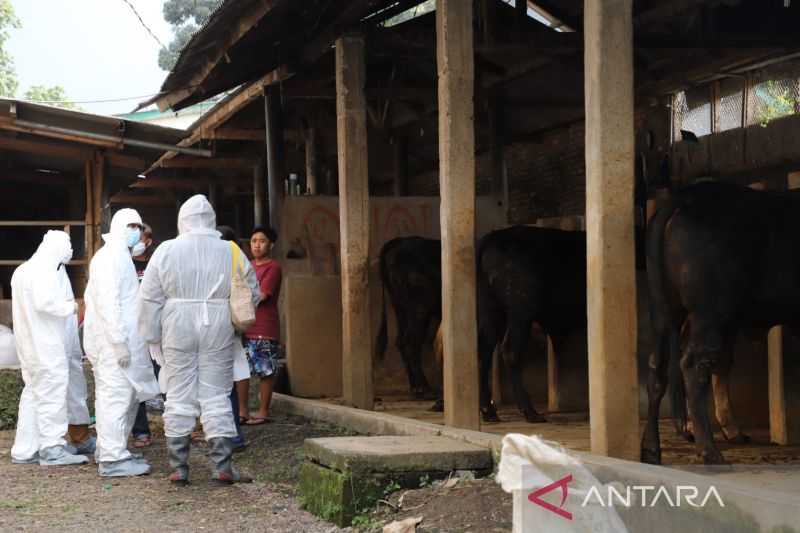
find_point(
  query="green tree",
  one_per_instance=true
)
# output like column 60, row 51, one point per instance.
column 8, row 72
column 186, row 17
column 55, row 96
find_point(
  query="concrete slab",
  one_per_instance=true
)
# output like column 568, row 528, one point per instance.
column 397, row 454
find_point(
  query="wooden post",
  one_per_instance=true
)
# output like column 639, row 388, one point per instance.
column 100, row 187
column 258, row 195
column 89, row 231
column 400, row 149
column 351, row 135
column 312, row 162
column 611, row 280
column 454, row 61
column 273, row 113
column 784, row 402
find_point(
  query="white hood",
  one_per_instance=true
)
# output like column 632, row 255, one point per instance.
column 197, row 217
column 55, row 246
column 119, row 223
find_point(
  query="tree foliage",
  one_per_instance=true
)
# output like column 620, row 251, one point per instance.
column 8, row 72
column 185, row 16
column 55, row 96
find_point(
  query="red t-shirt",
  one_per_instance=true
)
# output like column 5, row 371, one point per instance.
column 268, row 322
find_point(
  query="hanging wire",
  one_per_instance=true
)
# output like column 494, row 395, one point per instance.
column 145, row 25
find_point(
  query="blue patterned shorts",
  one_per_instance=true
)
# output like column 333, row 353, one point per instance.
column 261, row 354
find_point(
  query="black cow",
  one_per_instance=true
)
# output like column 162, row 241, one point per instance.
column 721, row 258
column 527, row 274
column 411, row 272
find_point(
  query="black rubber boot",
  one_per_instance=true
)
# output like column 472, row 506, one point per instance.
column 178, row 448
column 221, row 454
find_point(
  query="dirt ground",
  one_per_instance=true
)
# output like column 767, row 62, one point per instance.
column 36, row 498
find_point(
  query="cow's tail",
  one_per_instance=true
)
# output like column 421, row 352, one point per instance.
column 380, row 340
column 657, row 274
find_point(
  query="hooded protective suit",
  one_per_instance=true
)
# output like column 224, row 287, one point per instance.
column 41, row 311
column 122, row 369
column 184, row 305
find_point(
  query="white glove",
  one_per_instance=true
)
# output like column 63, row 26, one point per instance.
column 155, row 353
column 75, row 307
column 124, row 357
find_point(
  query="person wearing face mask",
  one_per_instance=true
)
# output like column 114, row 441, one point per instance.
column 141, row 253
column 122, row 369
column 40, row 307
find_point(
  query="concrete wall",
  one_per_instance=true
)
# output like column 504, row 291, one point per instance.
column 311, row 297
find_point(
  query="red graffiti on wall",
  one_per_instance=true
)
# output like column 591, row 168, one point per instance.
column 321, row 237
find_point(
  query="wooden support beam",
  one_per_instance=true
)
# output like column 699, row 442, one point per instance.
column 216, row 162
column 312, row 161
column 273, row 115
column 187, row 183
column 128, row 198
column 454, row 59
column 259, row 195
column 351, row 125
column 611, row 276
column 52, row 149
column 116, row 159
column 90, row 231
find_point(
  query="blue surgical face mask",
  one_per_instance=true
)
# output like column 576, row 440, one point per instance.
column 132, row 236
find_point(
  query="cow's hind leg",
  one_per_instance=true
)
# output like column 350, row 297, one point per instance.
column 656, row 386
column 416, row 330
column 513, row 347
column 724, row 411
column 703, row 354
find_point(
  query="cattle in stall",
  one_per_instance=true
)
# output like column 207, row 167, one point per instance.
column 721, row 259
column 411, row 273
column 527, row 274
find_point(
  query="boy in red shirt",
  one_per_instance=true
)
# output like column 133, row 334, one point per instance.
column 262, row 339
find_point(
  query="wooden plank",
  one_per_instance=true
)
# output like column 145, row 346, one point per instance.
column 116, row 159
column 244, row 24
column 56, row 150
column 351, row 125
column 6, row 123
column 89, row 233
column 45, row 223
column 214, row 162
column 185, row 183
column 127, row 198
column 454, row 59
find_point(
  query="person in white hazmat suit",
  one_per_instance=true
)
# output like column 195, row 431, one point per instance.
column 40, row 307
column 184, row 312
column 120, row 361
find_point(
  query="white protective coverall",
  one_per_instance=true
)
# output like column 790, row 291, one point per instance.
column 41, row 308
column 77, row 410
column 184, row 305
column 110, row 333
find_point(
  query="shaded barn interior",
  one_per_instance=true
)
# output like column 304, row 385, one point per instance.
column 716, row 89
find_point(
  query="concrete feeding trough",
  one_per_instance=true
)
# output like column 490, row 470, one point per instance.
column 343, row 475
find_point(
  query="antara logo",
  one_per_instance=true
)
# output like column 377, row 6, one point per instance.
column 563, row 482
column 687, row 494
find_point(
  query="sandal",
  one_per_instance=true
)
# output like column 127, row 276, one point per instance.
column 243, row 420
column 141, row 442
column 258, row 420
